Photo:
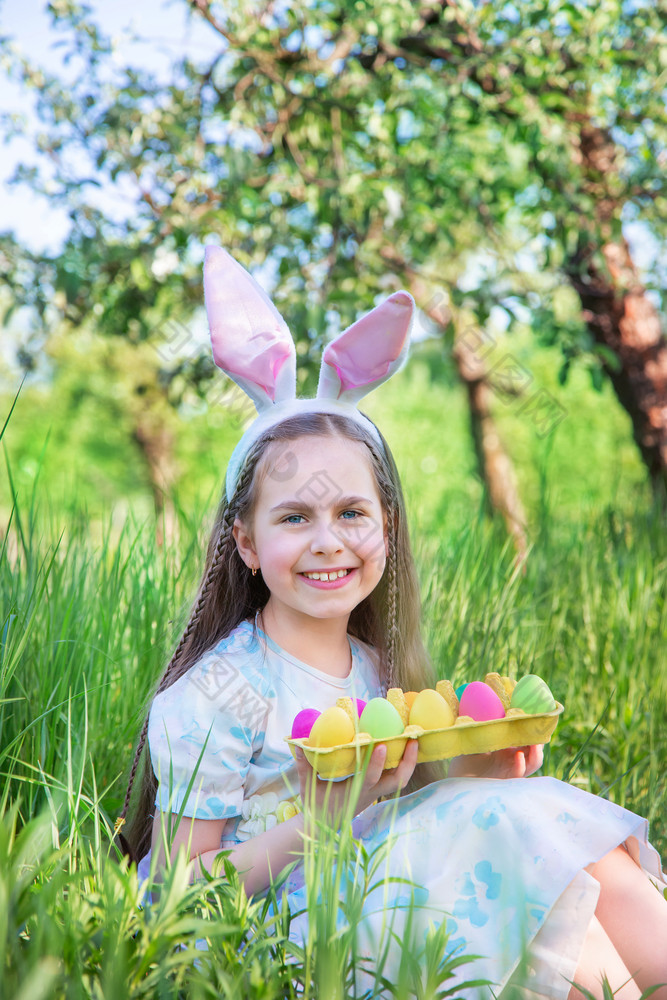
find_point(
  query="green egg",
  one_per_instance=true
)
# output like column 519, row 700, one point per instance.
column 532, row 694
column 380, row 719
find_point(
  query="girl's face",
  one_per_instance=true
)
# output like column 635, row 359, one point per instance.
column 318, row 528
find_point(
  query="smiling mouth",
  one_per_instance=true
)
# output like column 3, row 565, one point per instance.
column 328, row 575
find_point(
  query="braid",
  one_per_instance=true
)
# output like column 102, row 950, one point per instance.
column 170, row 674
column 392, row 600
column 133, row 774
column 219, row 554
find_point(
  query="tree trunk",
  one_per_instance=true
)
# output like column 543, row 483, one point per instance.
column 156, row 444
column 617, row 310
column 493, row 461
column 620, row 316
column 494, row 464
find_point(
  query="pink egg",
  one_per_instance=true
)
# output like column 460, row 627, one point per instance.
column 481, row 703
column 361, row 705
column 303, row 723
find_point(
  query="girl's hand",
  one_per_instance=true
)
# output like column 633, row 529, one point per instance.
column 517, row 762
column 334, row 797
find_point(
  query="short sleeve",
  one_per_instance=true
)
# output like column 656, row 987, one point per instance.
column 201, row 726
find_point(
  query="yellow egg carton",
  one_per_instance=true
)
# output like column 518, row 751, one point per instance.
column 464, row 736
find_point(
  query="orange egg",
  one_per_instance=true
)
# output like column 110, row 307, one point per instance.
column 410, row 697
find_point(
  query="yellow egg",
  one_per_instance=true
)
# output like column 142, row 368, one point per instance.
column 332, row 727
column 431, row 711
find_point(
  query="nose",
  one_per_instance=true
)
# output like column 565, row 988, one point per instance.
column 325, row 539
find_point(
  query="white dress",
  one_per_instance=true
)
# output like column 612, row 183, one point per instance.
column 500, row 861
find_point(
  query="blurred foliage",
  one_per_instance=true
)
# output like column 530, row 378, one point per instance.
column 79, row 446
column 331, row 144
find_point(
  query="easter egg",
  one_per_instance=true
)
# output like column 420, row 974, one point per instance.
column 431, row 711
column 481, row 703
column 361, row 705
column 460, row 689
column 381, row 720
column 331, row 728
column 410, row 697
column 303, row 723
column 532, row 694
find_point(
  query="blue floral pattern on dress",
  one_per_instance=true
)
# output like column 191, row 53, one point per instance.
column 474, row 890
column 488, row 814
column 566, row 817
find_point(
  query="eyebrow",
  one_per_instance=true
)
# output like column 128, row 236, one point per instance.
column 298, row 502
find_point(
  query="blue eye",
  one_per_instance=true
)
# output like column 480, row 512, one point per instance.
column 349, row 515
column 294, row 519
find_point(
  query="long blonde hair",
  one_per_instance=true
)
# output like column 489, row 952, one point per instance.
column 388, row 619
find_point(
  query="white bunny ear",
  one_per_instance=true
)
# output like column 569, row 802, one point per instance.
column 368, row 352
column 251, row 341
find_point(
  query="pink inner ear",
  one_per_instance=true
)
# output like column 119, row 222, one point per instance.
column 260, row 359
column 364, row 352
column 351, row 376
column 249, row 337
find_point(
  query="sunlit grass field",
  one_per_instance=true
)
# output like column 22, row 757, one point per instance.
column 91, row 608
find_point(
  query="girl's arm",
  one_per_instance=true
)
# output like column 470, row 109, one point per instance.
column 261, row 858
column 256, row 860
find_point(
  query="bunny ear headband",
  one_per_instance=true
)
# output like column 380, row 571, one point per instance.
column 252, row 344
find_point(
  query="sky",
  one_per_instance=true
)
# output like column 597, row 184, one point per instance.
column 167, row 31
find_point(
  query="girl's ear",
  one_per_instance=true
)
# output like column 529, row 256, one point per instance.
column 244, row 544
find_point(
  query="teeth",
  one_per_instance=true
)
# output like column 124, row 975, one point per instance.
column 327, row 576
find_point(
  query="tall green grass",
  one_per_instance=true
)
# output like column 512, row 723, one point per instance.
column 85, row 630
column 587, row 612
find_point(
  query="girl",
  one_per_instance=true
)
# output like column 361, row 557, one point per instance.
column 309, row 594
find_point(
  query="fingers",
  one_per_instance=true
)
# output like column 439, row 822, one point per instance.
column 518, row 766
column 534, row 758
column 405, row 769
column 526, row 760
column 376, row 765
column 397, row 778
column 305, row 772
column 302, row 764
